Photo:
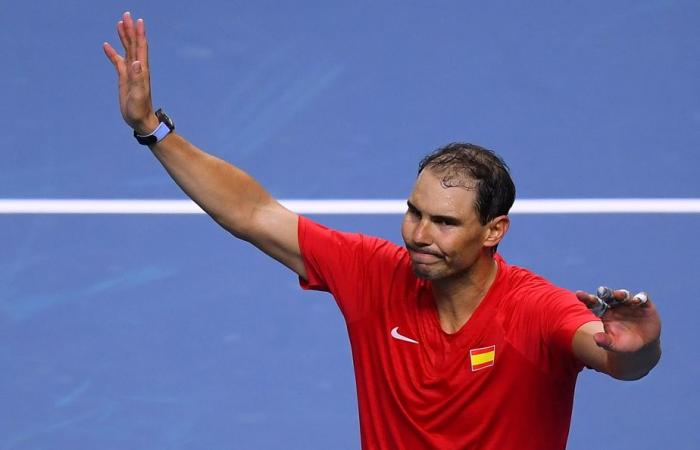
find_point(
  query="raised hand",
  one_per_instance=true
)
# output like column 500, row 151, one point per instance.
column 630, row 323
column 134, row 76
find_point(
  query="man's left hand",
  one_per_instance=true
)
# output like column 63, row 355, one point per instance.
column 630, row 322
column 630, row 335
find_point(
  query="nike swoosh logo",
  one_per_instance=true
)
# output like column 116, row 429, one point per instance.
column 395, row 334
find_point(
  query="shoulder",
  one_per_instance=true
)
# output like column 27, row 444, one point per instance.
column 362, row 272
column 530, row 294
column 542, row 318
column 316, row 239
column 525, row 284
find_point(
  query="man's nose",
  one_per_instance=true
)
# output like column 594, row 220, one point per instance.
column 421, row 234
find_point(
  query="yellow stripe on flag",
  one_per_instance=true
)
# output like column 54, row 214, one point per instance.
column 480, row 358
column 483, row 358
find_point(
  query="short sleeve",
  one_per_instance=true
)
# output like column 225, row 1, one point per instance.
column 542, row 320
column 350, row 266
column 563, row 314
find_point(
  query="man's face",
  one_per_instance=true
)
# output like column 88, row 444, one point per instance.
column 441, row 228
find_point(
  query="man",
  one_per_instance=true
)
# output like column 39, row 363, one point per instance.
column 453, row 348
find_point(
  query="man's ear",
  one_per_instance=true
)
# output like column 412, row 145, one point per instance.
column 496, row 229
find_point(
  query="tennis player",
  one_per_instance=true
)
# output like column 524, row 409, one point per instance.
column 453, row 347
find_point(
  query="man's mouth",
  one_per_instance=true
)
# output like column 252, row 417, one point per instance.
column 423, row 257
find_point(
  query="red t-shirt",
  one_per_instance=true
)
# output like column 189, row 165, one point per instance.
column 504, row 381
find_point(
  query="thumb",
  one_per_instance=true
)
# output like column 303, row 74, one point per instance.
column 137, row 78
column 603, row 340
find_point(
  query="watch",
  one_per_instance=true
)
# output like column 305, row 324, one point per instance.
column 165, row 127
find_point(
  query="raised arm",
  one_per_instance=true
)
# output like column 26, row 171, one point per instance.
column 230, row 196
column 626, row 343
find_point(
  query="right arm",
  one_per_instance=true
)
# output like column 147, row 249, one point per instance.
column 230, row 196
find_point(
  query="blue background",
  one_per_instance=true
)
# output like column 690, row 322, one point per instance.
column 163, row 332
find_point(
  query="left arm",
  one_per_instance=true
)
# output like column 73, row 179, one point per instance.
column 626, row 343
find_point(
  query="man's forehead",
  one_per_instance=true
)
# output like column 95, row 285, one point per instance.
column 432, row 194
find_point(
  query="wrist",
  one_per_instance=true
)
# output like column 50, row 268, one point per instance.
column 146, row 126
column 156, row 132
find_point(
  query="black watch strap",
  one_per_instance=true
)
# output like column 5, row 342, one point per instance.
column 165, row 127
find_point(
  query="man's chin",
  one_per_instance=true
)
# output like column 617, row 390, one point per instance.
column 423, row 274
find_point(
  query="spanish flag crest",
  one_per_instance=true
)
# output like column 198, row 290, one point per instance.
column 482, row 358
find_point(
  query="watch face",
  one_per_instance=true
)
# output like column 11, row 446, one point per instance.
column 165, row 119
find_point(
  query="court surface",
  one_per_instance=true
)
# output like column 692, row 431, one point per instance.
column 161, row 331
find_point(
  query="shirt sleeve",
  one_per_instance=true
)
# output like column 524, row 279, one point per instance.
column 563, row 314
column 350, row 266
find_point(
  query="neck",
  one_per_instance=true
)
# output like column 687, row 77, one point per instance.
column 456, row 298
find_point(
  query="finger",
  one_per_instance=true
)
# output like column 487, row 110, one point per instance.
column 602, row 340
column 617, row 297
column 122, row 35
column 640, row 299
column 587, row 299
column 141, row 43
column 128, row 25
column 117, row 61
column 130, row 35
column 112, row 55
column 592, row 302
column 622, row 295
column 604, row 293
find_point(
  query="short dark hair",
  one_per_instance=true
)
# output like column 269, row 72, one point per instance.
column 459, row 163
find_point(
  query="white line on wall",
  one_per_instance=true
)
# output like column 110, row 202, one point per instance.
column 356, row 206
